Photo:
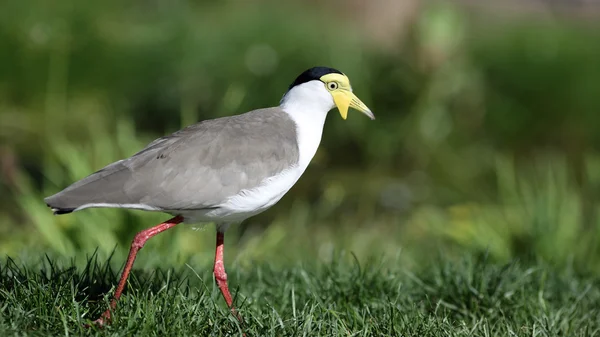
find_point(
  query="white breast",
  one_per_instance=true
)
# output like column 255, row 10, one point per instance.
column 307, row 104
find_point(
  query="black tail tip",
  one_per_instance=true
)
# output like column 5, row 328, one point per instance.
column 59, row 211
column 63, row 211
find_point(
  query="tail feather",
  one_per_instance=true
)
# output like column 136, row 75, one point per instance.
column 55, row 204
column 59, row 211
column 103, row 187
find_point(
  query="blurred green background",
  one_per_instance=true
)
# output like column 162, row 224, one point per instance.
column 486, row 139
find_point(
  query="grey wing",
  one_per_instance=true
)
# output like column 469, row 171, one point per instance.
column 196, row 168
column 104, row 186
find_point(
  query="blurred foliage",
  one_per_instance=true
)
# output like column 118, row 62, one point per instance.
column 486, row 138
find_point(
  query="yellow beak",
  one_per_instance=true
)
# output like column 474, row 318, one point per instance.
column 345, row 98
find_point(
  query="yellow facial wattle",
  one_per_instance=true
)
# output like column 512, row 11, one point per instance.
column 339, row 87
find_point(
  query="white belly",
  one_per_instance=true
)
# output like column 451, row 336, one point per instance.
column 249, row 202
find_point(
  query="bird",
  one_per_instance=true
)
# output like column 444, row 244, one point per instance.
column 219, row 171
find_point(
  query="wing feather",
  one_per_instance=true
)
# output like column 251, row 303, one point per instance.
column 195, row 168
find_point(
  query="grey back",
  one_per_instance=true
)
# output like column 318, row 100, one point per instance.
column 198, row 167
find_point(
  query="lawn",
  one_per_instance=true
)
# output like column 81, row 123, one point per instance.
column 467, row 297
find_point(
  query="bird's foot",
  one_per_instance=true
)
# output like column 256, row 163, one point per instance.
column 102, row 321
column 237, row 315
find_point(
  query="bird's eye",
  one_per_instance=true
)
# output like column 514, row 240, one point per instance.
column 332, row 85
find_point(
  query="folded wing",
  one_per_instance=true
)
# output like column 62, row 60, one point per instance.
column 198, row 167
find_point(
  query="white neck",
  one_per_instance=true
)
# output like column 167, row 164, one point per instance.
column 308, row 104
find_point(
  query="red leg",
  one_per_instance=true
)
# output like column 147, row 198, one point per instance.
column 221, row 276
column 137, row 244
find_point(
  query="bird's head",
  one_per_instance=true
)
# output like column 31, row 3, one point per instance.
column 327, row 85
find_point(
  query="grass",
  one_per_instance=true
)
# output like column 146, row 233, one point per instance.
column 469, row 297
column 471, row 152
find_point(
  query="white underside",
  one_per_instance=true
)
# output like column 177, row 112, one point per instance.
column 248, row 202
column 307, row 105
column 106, row 205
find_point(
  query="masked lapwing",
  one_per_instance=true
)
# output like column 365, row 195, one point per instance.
column 222, row 170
